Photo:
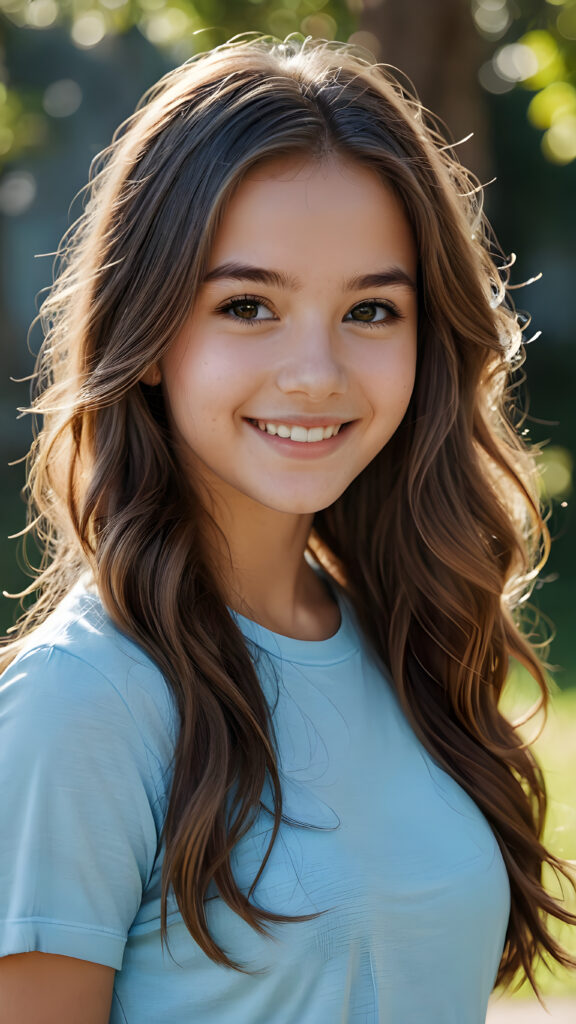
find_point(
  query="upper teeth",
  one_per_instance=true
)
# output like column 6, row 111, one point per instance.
column 299, row 433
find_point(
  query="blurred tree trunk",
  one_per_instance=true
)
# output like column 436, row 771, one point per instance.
column 435, row 43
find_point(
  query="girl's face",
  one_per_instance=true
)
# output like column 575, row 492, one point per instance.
column 297, row 363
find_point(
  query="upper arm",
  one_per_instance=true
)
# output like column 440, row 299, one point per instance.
column 44, row 988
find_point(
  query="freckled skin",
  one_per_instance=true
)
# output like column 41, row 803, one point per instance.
column 304, row 353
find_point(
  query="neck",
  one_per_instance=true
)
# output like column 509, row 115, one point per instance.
column 259, row 556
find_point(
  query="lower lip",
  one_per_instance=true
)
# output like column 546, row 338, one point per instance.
column 302, row 449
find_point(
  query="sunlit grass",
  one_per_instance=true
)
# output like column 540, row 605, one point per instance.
column 555, row 749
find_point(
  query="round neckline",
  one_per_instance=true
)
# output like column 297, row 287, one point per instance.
column 288, row 648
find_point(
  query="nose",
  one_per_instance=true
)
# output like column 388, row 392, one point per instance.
column 312, row 364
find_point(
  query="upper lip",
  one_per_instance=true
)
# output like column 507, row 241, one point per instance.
column 295, row 420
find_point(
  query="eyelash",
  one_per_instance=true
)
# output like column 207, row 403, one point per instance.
column 226, row 308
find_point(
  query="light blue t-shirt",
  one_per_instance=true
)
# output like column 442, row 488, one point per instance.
column 406, row 868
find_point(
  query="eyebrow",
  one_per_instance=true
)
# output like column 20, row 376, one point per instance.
column 278, row 279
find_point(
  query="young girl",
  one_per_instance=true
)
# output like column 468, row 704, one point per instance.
column 254, row 767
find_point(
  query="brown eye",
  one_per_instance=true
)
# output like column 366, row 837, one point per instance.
column 367, row 311
column 246, row 310
column 373, row 313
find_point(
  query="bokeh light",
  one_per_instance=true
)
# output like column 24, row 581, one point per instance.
column 366, row 41
column 557, row 467
column 552, row 104
column 321, row 26
column 515, row 62
column 17, row 193
column 550, row 65
column 62, row 98
column 491, row 80
column 282, row 22
column 167, row 26
column 492, row 17
column 566, row 21
column 41, row 13
column 559, row 142
column 89, row 29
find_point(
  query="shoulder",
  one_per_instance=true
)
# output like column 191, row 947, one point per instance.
column 77, row 668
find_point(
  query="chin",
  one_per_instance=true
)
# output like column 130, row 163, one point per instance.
column 302, row 507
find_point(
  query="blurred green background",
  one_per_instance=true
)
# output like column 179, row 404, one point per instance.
column 504, row 70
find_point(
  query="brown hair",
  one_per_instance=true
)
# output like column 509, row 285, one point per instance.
column 435, row 541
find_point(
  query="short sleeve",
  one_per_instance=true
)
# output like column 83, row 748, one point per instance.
column 78, row 836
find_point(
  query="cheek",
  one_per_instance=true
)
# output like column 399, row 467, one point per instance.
column 200, row 383
column 391, row 381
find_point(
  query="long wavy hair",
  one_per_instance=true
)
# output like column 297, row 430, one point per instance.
column 437, row 541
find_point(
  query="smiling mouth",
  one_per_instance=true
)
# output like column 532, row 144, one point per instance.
column 296, row 432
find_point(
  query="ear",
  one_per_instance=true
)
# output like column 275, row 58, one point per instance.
column 152, row 375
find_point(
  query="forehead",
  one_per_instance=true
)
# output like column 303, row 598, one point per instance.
column 314, row 217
